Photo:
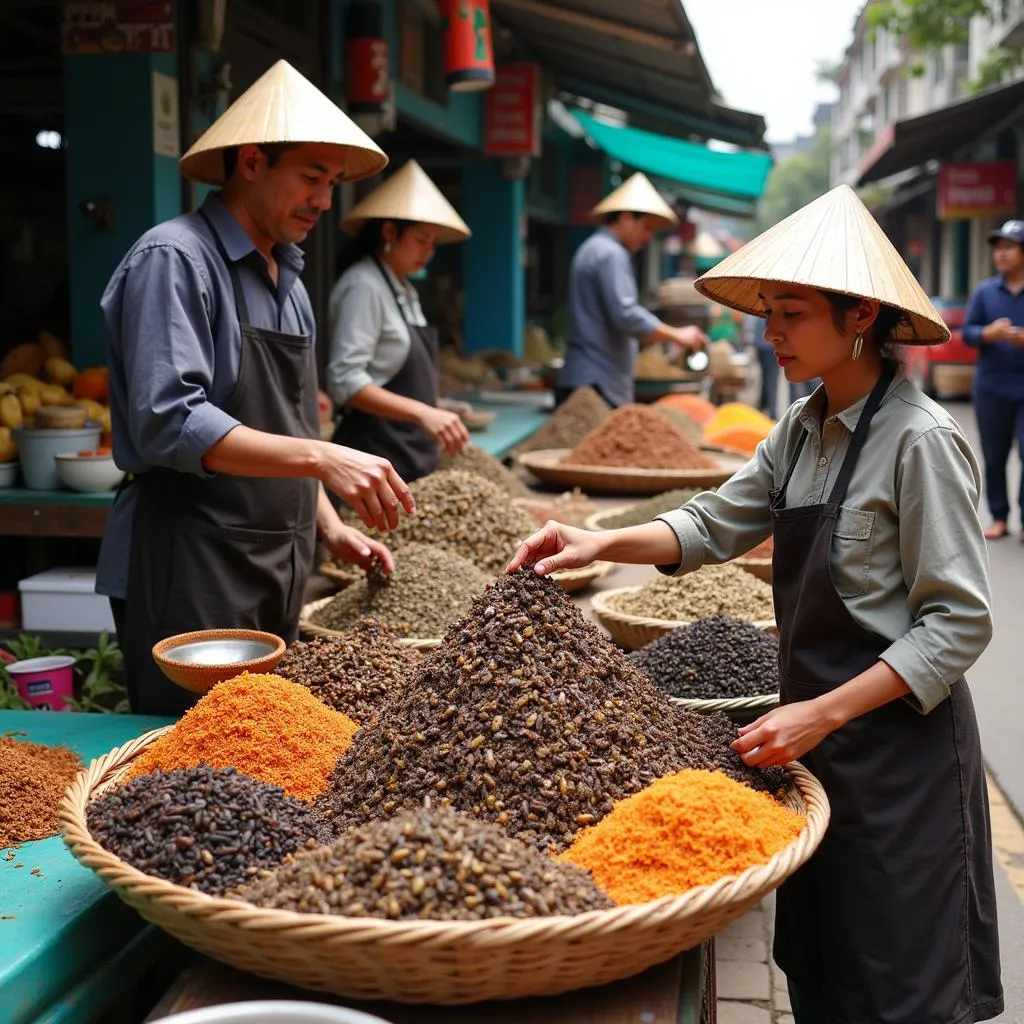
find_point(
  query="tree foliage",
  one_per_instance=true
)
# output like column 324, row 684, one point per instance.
column 796, row 181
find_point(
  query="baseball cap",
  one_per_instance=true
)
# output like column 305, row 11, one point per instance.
column 1012, row 231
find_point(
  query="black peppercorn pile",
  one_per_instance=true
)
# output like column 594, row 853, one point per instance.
column 351, row 673
column 526, row 716
column 712, row 658
column 436, row 864
column 210, row 829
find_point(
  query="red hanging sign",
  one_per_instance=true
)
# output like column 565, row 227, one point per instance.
column 969, row 191
column 117, row 26
column 367, row 77
column 468, row 49
column 512, row 121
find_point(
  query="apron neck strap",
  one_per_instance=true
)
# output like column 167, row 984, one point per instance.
column 241, row 309
column 392, row 289
column 860, row 434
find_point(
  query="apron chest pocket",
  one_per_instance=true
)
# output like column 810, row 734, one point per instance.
column 851, row 551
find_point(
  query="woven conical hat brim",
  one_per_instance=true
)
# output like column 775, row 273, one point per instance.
column 281, row 106
column 409, row 195
column 637, row 195
column 834, row 244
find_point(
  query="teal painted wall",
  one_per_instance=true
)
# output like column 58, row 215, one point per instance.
column 492, row 260
column 109, row 130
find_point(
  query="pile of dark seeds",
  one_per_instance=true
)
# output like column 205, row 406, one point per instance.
column 646, row 511
column 351, row 673
column 712, row 658
column 430, row 588
column 475, row 460
column 209, row 829
column 526, row 716
column 576, row 417
column 435, row 864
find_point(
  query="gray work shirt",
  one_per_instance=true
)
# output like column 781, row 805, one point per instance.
column 605, row 319
column 175, row 348
column 369, row 333
column 908, row 558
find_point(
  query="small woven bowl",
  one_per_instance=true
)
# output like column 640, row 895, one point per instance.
column 200, row 678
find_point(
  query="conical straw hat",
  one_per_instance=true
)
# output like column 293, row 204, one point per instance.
column 832, row 243
column 281, row 106
column 637, row 195
column 408, row 195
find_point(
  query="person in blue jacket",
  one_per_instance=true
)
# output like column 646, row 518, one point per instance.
column 994, row 324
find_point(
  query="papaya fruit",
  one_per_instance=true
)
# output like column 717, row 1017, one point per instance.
column 27, row 358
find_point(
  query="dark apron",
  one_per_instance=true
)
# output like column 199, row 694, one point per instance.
column 893, row 920
column 407, row 446
column 225, row 551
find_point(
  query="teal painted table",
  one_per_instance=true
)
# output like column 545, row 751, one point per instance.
column 512, row 425
column 68, row 946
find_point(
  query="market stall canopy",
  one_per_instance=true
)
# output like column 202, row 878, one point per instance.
column 733, row 175
column 641, row 57
column 939, row 134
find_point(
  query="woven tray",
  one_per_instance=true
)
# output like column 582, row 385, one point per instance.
column 428, row 961
column 635, row 631
column 308, row 628
column 739, row 709
column 759, row 567
column 572, row 580
column 546, row 465
column 594, row 522
column 341, row 577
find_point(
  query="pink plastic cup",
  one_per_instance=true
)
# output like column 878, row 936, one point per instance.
column 45, row 684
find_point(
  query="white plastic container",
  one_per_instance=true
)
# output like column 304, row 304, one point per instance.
column 283, row 1011
column 64, row 600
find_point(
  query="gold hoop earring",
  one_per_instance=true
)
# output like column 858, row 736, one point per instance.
column 858, row 345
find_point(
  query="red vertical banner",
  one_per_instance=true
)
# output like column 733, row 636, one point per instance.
column 512, row 112
column 367, row 61
column 468, row 46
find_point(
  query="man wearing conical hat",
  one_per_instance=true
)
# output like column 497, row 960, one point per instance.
column 382, row 370
column 870, row 492
column 606, row 323
column 214, row 392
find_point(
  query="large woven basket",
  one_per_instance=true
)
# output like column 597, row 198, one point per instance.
column 341, row 576
column 308, row 628
column 428, row 961
column 548, row 467
column 573, row 580
column 597, row 520
column 739, row 709
column 759, row 567
column 636, row 631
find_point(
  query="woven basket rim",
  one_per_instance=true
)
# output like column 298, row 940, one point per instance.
column 765, row 700
column 593, row 521
column 595, row 570
column 332, row 572
column 550, row 459
column 742, row 560
column 599, row 603
column 91, row 781
column 313, row 629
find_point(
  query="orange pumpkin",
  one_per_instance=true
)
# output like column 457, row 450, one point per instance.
column 93, row 383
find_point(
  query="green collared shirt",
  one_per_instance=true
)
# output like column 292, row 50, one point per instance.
column 908, row 557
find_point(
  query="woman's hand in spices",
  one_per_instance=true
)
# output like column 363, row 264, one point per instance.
column 784, row 734
column 446, row 428
column 366, row 482
column 347, row 544
column 555, row 546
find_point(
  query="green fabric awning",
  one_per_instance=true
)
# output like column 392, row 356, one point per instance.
column 736, row 175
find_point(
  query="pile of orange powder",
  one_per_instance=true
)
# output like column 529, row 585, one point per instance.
column 687, row 829
column 263, row 726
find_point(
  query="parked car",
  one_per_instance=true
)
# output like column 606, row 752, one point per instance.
column 944, row 371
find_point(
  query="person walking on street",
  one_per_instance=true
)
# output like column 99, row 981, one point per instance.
column 882, row 598
column 606, row 323
column 214, row 393
column 753, row 331
column 994, row 325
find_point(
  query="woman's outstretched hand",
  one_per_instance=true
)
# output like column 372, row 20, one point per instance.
column 556, row 546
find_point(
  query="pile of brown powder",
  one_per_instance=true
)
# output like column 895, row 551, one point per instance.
column 636, row 436
column 33, row 779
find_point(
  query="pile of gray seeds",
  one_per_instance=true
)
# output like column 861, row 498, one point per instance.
column 475, row 460
column 209, row 829
column 576, row 417
column 430, row 588
column 713, row 588
column 352, row 673
column 687, row 424
column 526, row 716
column 712, row 658
column 646, row 511
column 435, row 864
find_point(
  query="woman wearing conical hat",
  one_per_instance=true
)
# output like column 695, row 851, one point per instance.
column 382, row 370
column 606, row 323
column 882, row 603
column 214, row 392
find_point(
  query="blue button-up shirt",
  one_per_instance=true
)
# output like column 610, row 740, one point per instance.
column 605, row 319
column 1000, row 369
column 175, row 349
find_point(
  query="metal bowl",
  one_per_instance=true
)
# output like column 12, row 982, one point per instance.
column 197, row 661
column 274, row 1012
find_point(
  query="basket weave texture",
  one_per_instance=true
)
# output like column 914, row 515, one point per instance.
column 730, row 705
column 636, row 631
column 426, row 961
column 308, row 628
column 759, row 567
column 572, row 580
column 341, row 577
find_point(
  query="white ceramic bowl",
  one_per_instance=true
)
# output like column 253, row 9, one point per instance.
column 282, row 1011
column 8, row 473
column 88, row 472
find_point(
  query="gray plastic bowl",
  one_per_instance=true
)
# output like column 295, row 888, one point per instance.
column 37, row 448
column 274, row 1012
